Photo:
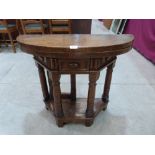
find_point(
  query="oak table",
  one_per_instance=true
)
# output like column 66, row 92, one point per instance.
column 74, row 54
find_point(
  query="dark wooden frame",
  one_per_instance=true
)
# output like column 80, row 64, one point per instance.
column 60, row 22
column 25, row 22
column 95, row 53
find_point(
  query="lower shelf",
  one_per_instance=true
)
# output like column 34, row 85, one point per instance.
column 74, row 111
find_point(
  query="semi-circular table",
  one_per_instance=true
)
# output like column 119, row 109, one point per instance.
column 74, row 54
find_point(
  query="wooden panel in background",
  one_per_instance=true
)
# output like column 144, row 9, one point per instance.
column 81, row 26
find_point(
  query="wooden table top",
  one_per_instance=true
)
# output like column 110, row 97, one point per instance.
column 73, row 43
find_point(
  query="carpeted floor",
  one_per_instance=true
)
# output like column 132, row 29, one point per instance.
column 131, row 108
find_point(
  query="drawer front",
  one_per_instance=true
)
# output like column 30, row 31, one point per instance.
column 74, row 65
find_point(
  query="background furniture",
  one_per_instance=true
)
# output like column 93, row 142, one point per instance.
column 81, row 26
column 144, row 32
column 75, row 54
column 8, row 29
column 78, row 26
column 60, row 26
column 33, row 26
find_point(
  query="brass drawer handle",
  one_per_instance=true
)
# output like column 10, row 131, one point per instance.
column 73, row 65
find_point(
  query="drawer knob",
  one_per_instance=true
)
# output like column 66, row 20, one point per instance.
column 73, row 65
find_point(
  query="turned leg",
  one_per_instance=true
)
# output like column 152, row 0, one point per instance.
column 43, row 85
column 58, row 111
column 50, row 85
column 93, row 76
column 73, row 87
column 105, row 95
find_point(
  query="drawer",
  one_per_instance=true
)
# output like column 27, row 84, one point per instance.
column 74, row 65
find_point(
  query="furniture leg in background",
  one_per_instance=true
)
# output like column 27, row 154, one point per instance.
column 108, row 78
column 12, row 43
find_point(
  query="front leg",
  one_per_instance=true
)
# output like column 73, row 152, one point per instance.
column 93, row 76
column 58, row 111
column 73, row 86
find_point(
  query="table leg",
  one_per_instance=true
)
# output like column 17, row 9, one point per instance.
column 58, row 111
column 73, row 87
column 43, row 85
column 50, row 85
column 105, row 95
column 93, row 76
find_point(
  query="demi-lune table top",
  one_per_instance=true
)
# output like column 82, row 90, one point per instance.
column 75, row 43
